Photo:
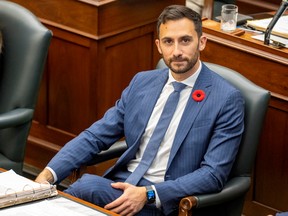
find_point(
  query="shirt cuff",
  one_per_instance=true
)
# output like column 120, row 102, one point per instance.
column 53, row 173
column 157, row 202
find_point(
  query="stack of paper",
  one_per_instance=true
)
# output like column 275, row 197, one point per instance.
column 280, row 28
column 16, row 189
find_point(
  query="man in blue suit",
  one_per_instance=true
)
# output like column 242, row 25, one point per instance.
column 199, row 146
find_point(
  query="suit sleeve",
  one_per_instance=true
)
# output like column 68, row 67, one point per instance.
column 99, row 136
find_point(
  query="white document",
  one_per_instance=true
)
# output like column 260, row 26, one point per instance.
column 12, row 182
column 280, row 27
column 59, row 206
column 16, row 189
column 14, row 186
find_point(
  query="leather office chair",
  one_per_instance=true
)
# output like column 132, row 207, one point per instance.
column 25, row 47
column 232, row 197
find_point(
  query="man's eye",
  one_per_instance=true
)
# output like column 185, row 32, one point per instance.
column 168, row 41
column 186, row 40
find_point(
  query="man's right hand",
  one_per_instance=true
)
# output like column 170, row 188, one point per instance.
column 45, row 176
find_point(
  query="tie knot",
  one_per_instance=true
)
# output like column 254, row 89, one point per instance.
column 178, row 87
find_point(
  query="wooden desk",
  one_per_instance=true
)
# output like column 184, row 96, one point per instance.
column 62, row 205
column 87, row 204
column 267, row 67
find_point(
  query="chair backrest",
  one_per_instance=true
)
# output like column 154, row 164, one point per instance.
column 256, row 104
column 24, row 51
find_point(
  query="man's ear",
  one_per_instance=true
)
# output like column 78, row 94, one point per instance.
column 157, row 42
column 202, row 42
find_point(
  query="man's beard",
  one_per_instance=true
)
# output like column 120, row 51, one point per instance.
column 190, row 63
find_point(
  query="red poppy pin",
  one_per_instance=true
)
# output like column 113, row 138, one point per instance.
column 198, row 95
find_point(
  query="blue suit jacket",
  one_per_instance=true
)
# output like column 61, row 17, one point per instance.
column 205, row 144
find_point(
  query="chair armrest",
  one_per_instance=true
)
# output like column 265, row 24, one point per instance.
column 234, row 188
column 116, row 150
column 15, row 117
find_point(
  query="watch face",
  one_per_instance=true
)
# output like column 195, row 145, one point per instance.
column 150, row 196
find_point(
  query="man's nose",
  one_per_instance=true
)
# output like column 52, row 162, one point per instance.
column 177, row 50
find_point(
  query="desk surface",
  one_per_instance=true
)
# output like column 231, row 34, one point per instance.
column 83, row 202
column 61, row 204
column 242, row 37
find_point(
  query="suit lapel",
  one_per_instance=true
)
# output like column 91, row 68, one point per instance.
column 150, row 97
column 191, row 111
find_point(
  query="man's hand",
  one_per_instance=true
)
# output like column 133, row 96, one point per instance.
column 45, row 176
column 130, row 202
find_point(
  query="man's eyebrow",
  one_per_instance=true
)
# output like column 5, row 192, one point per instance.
column 182, row 37
column 166, row 38
column 186, row 36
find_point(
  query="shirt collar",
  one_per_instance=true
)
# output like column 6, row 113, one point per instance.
column 190, row 81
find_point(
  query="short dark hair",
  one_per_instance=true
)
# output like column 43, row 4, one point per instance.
column 177, row 12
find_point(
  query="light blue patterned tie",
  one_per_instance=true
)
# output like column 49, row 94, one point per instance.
column 158, row 134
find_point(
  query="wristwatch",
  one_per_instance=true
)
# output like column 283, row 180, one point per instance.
column 150, row 193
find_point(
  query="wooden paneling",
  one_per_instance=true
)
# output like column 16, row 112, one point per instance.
column 257, row 6
column 267, row 67
column 273, row 171
column 68, row 85
column 97, row 47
